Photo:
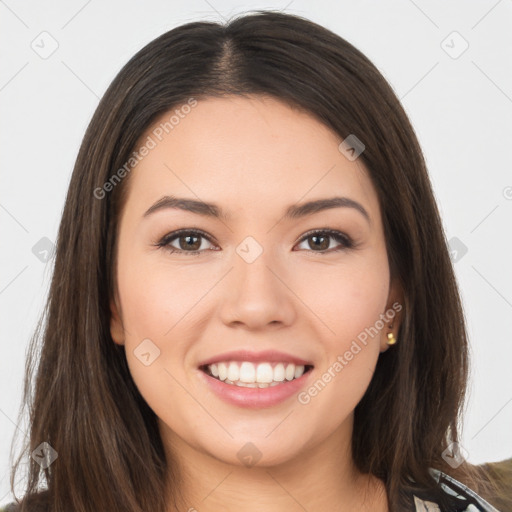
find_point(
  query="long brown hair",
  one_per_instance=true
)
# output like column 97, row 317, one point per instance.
column 84, row 403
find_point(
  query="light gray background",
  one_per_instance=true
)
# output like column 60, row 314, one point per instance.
column 460, row 106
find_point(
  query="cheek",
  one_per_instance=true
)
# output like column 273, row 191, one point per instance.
column 155, row 312
column 346, row 298
column 154, row 308
column 349, row 300
column 157, row 300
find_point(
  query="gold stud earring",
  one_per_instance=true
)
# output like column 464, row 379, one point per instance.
column 391, row 339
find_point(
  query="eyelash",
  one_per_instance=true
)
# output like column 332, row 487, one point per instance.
column 344, row 240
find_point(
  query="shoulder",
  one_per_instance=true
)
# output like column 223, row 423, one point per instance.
column 462, row 498
column 500, row 473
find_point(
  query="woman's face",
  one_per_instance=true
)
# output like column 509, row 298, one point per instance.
column 261, row 284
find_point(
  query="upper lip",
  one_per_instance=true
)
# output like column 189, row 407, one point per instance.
column 256, row 357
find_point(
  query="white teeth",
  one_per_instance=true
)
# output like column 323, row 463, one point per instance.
column 243, row 384
column 233, row 371
column 262, row 375
column 223, row 371
column 247, row 372
column 279, row 372
column 290, row 372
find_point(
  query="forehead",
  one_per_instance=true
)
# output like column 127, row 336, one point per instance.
column 250, row 155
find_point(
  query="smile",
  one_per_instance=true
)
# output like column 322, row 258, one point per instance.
column 255, row 375
column 281, row 381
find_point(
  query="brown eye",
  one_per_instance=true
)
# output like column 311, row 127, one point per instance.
column 186, row 241
column 192, row 242
column 320, row 241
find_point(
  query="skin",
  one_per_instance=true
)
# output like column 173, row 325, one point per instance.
column 254, row 157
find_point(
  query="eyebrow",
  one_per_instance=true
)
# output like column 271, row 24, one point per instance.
column 294, row 211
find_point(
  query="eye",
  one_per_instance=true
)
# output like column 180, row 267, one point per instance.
column 320, row 240
column 189, row 241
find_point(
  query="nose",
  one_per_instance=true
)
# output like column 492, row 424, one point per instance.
column 256, row 294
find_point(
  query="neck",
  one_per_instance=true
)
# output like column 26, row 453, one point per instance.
column 321, row 477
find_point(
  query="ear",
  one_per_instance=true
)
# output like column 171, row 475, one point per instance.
column 116, row 324
column 392, row 316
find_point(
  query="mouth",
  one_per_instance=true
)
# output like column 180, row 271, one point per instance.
column 255, row 375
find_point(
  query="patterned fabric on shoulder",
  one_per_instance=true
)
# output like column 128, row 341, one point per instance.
column 465, row 499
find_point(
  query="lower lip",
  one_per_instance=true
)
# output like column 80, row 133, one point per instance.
column 255, row 398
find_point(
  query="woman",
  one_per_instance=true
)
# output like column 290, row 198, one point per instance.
column 309, row 353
